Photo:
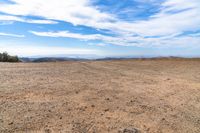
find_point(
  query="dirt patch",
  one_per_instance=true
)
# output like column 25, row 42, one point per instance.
column 150, row 96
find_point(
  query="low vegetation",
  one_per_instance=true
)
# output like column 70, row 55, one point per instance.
column 5, row 57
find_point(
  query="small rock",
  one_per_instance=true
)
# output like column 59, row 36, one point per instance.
column 163, row 119
column 129, row 130
column 92, row 106
column 10, row 123
column 107, row 99
column 106, row 110
column 47, row 131
column 198, row 121
column 108, row 118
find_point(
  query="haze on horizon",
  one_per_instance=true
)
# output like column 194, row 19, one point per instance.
column 102, row 28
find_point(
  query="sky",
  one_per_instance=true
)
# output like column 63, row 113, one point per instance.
column 100, row 27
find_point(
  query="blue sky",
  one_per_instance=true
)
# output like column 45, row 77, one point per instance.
column 100, row 27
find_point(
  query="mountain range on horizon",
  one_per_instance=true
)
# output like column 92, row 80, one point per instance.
column 94, row 58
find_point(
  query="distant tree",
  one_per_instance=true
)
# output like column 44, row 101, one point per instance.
column 1, row 57
column 13, row 59
column 5, row 57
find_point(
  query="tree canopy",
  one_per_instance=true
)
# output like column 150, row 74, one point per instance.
column 5, row 57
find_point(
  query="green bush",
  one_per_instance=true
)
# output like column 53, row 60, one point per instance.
column 5, row 57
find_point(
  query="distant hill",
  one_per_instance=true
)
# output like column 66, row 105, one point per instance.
column 60, row 59
column 26, row 59
column 50, row 59
column 114, row 58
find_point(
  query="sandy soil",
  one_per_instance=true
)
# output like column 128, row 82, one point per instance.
column 152, row 96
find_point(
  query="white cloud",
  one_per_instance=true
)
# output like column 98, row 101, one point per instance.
column 107, row 39
column 75, row 35
column 77, row 12
column 174, row 39
column 8, row 18
column 175, row 17
column 26, row 50
column 98, row 44
column 11, row 35
column 101, row 44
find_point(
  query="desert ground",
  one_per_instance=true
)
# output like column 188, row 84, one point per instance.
column 149, row 96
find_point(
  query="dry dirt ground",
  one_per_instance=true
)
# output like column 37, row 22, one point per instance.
column 152, row 96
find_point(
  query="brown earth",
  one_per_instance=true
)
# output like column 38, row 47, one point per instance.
column 152, row 96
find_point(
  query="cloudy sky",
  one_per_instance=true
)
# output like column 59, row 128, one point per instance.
column 100, row 27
